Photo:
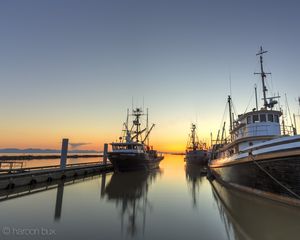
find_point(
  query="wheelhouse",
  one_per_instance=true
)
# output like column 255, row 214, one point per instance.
column 257, row 123
column 125, row 147
column 255, row 127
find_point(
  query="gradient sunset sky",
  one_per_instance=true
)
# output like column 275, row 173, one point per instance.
column 71, row 68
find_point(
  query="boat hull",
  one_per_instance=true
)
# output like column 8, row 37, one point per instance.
column 198, row 157
column 268, row 177
column 123, row 162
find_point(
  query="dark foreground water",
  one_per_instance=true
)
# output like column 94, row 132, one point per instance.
column 173, row 203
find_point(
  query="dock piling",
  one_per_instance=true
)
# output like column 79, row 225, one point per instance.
column 64, row 153
column 105, row 150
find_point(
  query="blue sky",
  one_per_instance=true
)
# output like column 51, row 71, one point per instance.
column 71, row 68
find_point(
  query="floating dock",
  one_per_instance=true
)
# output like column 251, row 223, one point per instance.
column 52, row 156
column 31, row 176
column 14, row 175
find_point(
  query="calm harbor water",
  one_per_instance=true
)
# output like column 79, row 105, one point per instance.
column 174, row 202
column 48, row 162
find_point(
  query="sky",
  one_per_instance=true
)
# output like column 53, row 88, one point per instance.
column 71, row 68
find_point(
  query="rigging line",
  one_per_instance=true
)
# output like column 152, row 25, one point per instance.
column 250, row 101
column 225, row 110
column 271, row 77
column 273, row 178
column 131, row 103
column 288, row 108
column 272, row 84
column 234, row 109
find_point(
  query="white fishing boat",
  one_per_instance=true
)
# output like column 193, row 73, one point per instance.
column 260, row 156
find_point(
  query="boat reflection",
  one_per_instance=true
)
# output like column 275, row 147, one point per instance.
column 129, row 191
column 195, row 175
column 247, row 216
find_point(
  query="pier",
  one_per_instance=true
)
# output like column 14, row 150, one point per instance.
column 53, row 156
column 31, row 176
column 13, row 174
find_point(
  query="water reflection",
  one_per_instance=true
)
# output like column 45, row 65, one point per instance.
column 143, row 205
column 59, row 200
column 24, row 191
column 194, row 176
column 129, row 192
column 246, row 216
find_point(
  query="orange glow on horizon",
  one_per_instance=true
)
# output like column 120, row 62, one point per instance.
column 92, row 143
column 167, row 137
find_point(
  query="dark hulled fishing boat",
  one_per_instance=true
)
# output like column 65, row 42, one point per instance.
column 133, row 151
column 194, row 177
column 260, row 155
column 196, row 152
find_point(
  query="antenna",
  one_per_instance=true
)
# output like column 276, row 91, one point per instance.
column 127, row 118
column 255, row 89
column 263, row 76
column 132, row 104
column 230, row 82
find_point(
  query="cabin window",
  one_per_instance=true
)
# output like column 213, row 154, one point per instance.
column 119, row 147
column 255, row 118
column 270, row 118
column 248, row 119
column 263, row 118
column 276, row 117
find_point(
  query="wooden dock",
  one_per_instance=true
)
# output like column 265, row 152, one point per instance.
column 16, row 177
column 50, row 156
column 7, row 194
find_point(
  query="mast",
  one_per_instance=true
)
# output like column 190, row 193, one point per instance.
column 137, row 113
column 147, row 127
column 193, row 136
column 223, row 130
column 147, row 134
column 295, row 128
column 230, row 115
column 263, row 76
column 217, row 141
column 127, row 118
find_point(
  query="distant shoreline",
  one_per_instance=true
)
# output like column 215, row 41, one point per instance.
column 32, row 157
column 29, row 151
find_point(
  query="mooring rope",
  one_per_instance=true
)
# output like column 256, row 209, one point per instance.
column 273, row 178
